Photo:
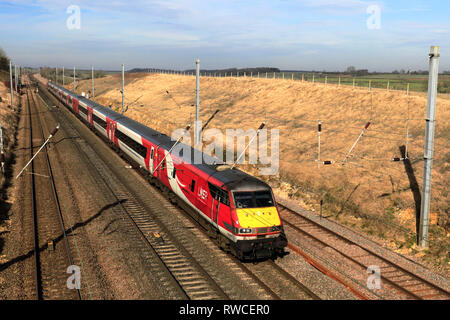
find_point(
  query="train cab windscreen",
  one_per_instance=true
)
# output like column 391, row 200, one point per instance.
column 257, row 199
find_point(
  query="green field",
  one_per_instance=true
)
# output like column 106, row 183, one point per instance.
column 417, row 83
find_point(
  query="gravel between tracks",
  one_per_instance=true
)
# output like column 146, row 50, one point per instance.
column 370, row 245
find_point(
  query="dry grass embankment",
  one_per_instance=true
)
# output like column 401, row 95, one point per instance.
column 369, row 192
column 9, row 119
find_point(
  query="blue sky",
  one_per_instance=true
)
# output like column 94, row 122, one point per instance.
column 291, row 34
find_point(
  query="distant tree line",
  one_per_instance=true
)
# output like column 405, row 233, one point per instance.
column 402, row 71
column 4, row 61
column 234, row 70
column 359, row 73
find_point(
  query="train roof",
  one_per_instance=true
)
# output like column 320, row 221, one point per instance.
column 232, row 179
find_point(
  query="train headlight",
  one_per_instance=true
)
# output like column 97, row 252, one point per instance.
column 245, row 230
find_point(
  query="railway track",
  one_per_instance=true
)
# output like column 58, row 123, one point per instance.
column 176, row 267
column 189, row 277
column 285, row 287
column 185, row 261
column 51, row 248
column 407, row 285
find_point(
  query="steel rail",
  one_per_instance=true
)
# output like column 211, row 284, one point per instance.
column 369, row 252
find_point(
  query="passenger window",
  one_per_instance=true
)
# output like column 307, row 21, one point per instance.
column 151, row 155
column 193, row 186
column 219, row 194
column 174, row 172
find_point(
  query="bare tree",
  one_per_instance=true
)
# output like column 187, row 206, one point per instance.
column 4, row 60
column 351, row 70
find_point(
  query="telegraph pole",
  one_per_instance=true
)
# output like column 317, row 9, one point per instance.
column 63, row 76
column 73, row 79
column 93, row 82
column 15, row 76
column 10, row 83
column 56, row 75
column 429, row 147
column 2, row 151
column 197, row 103
column 123, row 86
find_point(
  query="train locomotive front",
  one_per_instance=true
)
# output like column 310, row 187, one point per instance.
column 258, row 225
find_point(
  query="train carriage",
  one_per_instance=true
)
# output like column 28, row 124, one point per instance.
column 238, row 210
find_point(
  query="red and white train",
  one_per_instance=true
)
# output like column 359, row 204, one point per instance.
column 237, row 209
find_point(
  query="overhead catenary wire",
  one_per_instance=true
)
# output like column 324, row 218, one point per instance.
column 173, row 146
column 249, row 143
column 171, row 97
column 357, row 140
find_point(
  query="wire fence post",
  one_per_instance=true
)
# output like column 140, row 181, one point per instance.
column 387, row 88
column 93, row 92
column 370, row 85
column 313, row 78
column 10, row 83
column 197, row 103
column 407, row 89
column 429, row 146
column 123, row 87
column 15, row 76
